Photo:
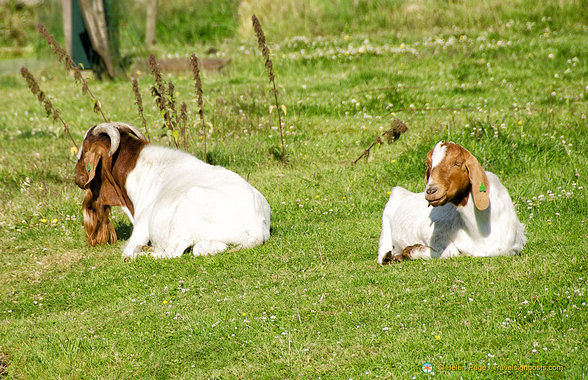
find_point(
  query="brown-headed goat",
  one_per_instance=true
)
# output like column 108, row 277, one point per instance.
column 472, row 213
column 174, row 200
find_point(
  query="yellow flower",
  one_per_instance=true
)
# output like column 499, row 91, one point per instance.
column 437, row 337
column 344, row 197
column 318, row 196
column 388, row 192
column 244, row 314
column 520, row 123
column 73, row 150
column 43, row 220
column 54, row 221
column 393, row 161
column 164, row 302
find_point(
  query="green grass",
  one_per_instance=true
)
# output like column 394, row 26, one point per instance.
column 312, row 302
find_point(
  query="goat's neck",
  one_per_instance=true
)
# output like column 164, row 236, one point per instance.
column 476, row 222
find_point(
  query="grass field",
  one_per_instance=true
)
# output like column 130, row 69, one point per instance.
column 511, row 85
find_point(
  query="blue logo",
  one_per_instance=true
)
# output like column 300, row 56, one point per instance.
column 427, row 368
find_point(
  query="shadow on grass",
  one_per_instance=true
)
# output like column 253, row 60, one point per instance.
column 123, row 230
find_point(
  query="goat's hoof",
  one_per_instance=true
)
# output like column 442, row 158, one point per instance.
column 397, row 258
column 407, row 252
column 387, row 258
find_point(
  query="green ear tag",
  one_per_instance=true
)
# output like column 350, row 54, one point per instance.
column 482, row 188
column 89, row 167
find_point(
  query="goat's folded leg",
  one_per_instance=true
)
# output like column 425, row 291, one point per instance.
column 385, row 258
column 406, row 253
column 137, row 240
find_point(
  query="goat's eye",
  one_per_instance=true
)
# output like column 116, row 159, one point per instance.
column 458, row 164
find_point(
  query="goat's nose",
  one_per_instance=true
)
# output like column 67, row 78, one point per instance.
column 431, row 190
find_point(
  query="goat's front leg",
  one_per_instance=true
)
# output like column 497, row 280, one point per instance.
column 420, row 251
column 407, row 253
column 138, row 239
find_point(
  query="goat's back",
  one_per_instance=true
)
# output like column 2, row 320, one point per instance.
column 183, row 198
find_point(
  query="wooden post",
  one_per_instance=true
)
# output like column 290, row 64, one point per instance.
column 151, row 22
column 66, row 9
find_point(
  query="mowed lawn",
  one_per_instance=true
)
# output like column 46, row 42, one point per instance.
column 312, row 302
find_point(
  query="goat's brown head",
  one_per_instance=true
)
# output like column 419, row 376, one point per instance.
column 452, row 174
column 108, row 153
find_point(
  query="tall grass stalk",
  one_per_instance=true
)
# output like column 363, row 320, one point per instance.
column 158, row 91
column 390, row 135
column 62, row 56
column 194, row 63
column 44, row 100
column 270, row 71
column 183, row 121
column 139, row 103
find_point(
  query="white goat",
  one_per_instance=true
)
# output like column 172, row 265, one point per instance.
column 456, row 225
column 174, row 200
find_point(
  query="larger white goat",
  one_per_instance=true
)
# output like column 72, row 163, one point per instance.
column 472, row 213
column 174, row 200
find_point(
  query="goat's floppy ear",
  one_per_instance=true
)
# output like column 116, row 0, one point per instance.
column 479, row 182
column 93, row 158
column 428, row 165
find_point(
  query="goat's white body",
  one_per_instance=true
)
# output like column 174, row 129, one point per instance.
column 182, row 202
column 449, row 231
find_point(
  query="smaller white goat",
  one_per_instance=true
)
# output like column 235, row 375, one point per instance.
column 174, row 200
column 472, row 213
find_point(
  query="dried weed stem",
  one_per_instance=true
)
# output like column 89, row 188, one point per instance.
column 270, row 70
column 158, row 91
column 62, row 56
column 44, row 100
column 194, row 63
column 139, row 103
column 389, row 136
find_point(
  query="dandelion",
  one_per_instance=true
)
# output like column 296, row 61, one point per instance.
column 43, row 220
column 437, row 337
column 164, row 302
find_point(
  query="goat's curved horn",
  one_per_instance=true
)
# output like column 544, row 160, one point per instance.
column 132, row 128
column 113, row 131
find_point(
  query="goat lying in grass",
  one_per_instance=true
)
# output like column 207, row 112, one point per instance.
column 472, row 213
column 174, row 200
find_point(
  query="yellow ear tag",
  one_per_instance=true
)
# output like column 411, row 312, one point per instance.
column 482, row 188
